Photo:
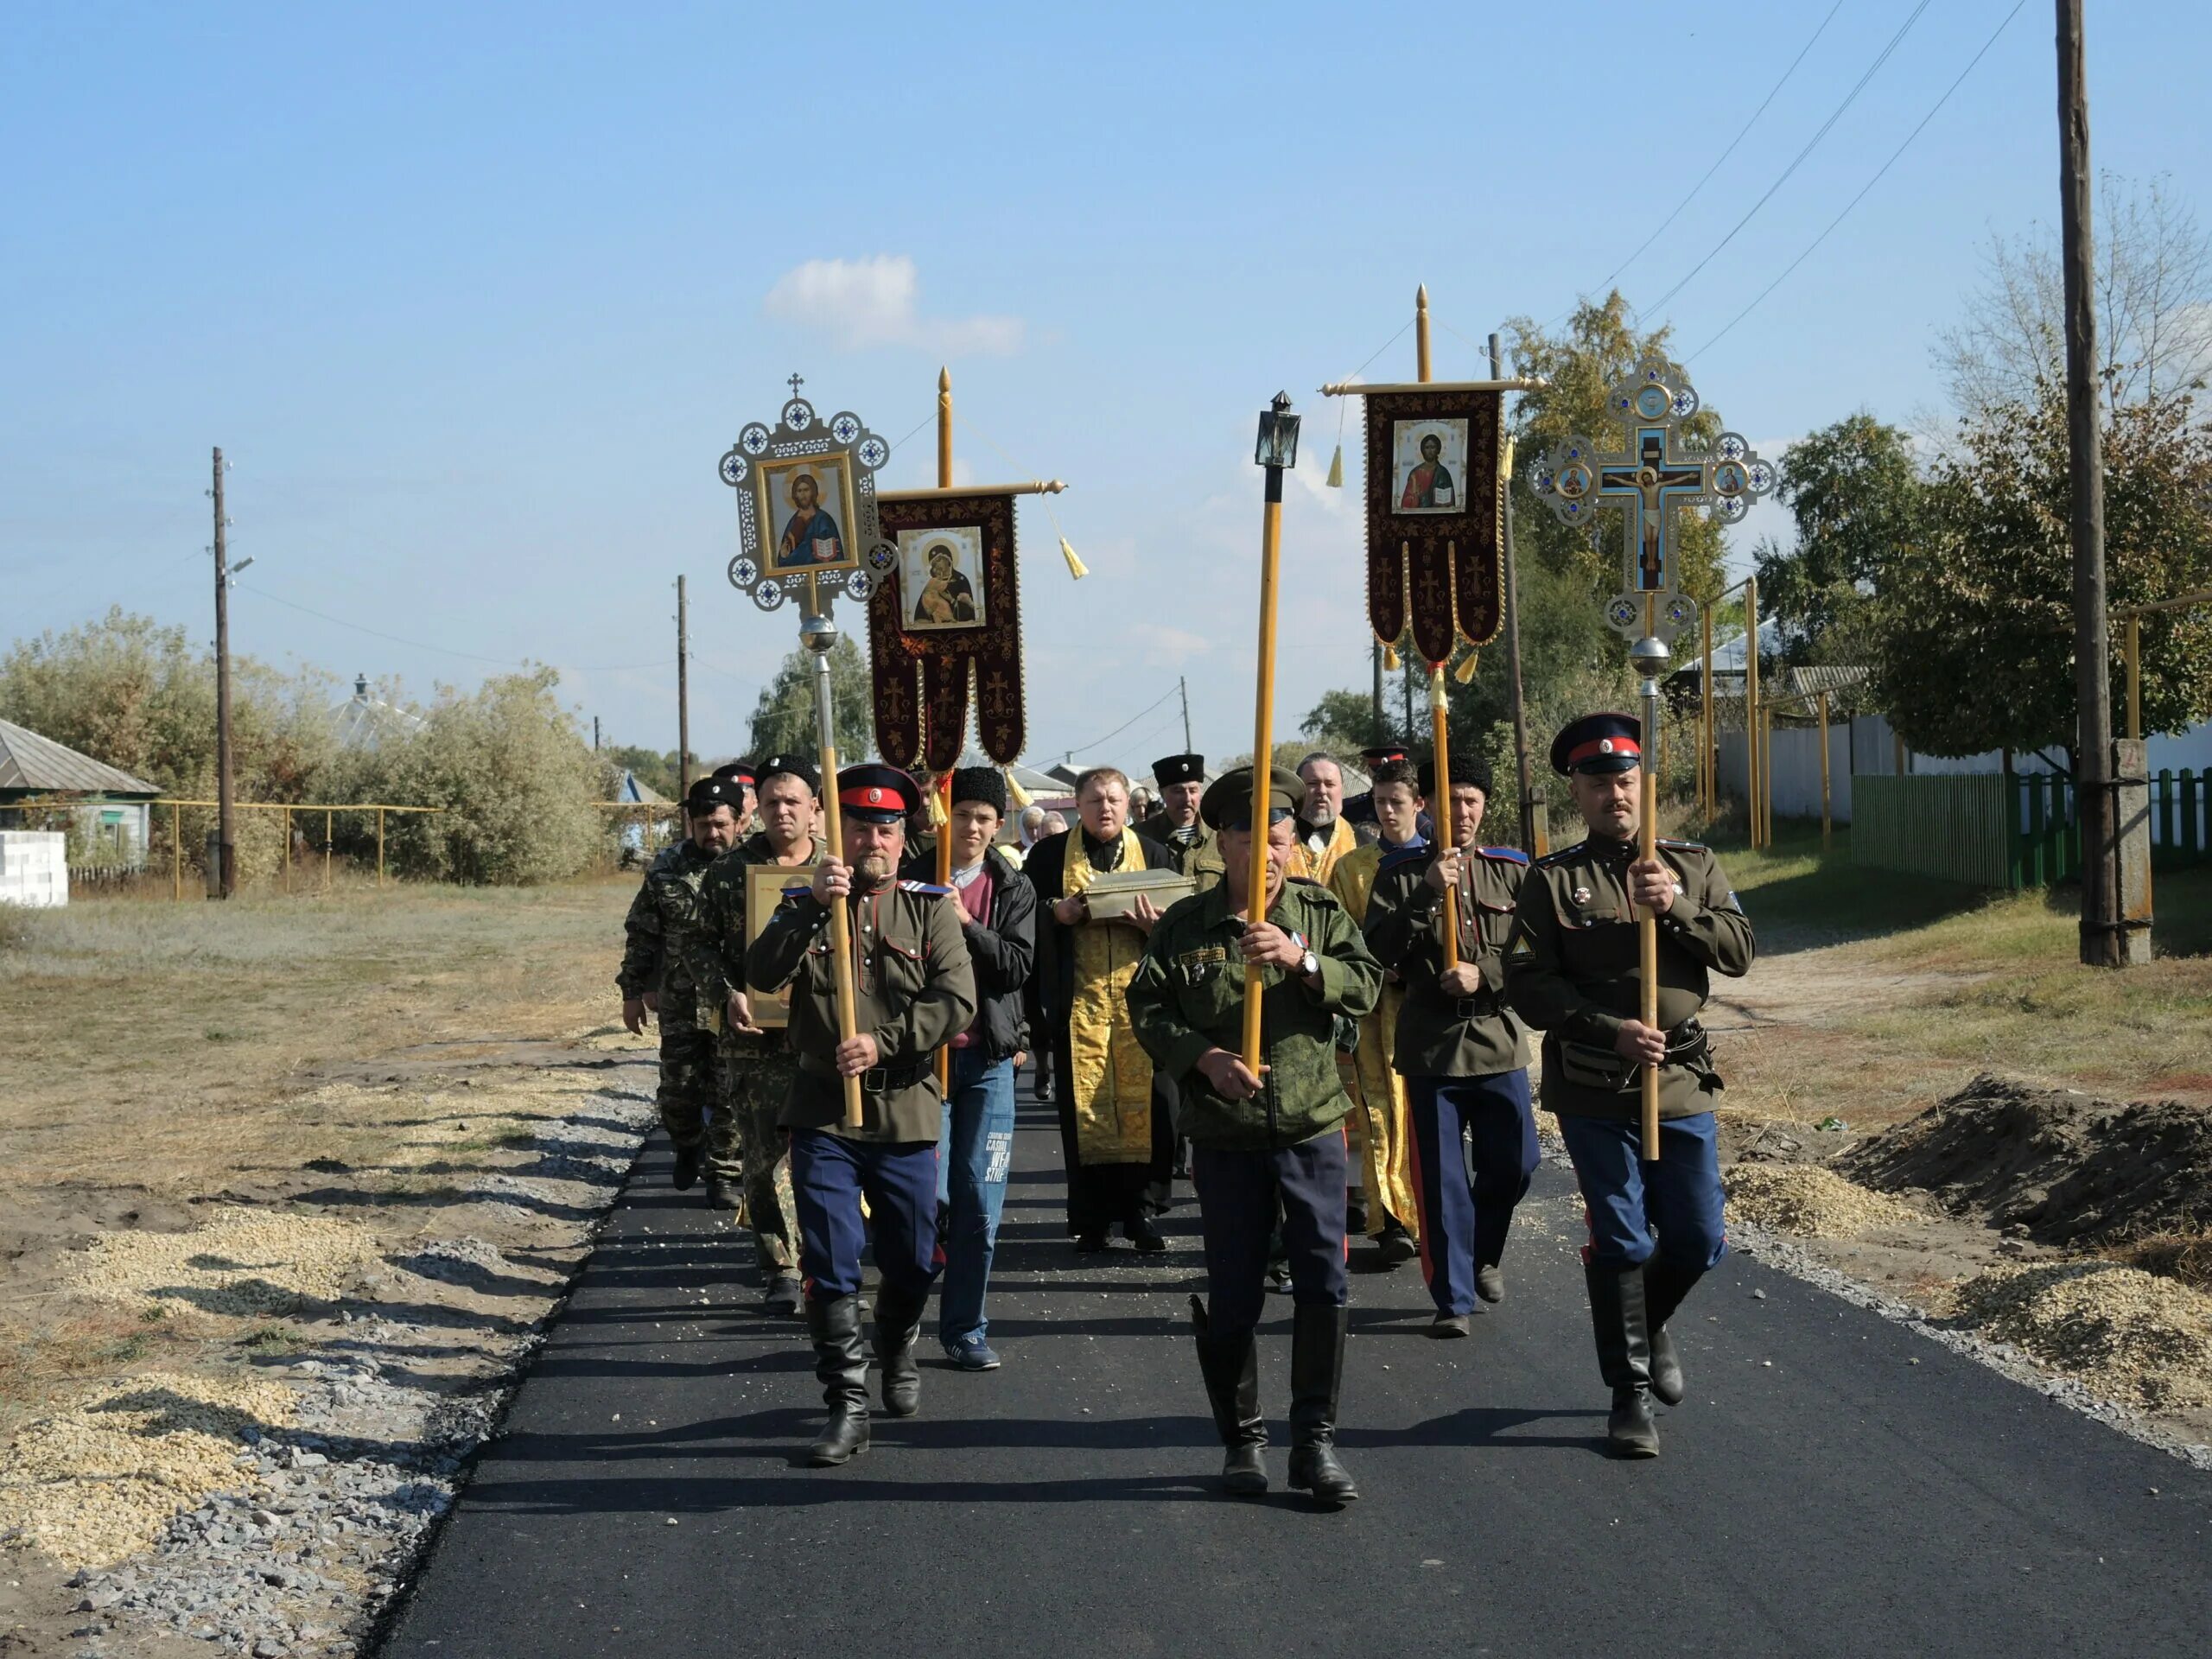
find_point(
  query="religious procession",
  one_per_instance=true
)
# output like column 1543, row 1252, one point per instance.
column 1313, row 1019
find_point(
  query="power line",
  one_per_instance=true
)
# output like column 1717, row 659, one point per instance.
column 447, row 650
column 1869, row 185
column 1079, row 748
column 1850, row 97
column 1745, row 133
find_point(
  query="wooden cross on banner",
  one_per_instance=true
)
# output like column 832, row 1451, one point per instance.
column 1651, row 481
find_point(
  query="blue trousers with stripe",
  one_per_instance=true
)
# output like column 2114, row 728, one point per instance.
column 1627, row 1198
column 830, row 1176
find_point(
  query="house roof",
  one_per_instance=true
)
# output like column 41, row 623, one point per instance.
column 35, row 764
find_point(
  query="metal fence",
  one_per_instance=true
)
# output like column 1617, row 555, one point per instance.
column 1990, row 831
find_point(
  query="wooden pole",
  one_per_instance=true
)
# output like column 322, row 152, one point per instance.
column 1708, row 769
column 1447, row 829
column 380, row 847
column 226, row 863
column 326, row 852
column 820, row 636
column 1517, row 703
column 176, row 853
column 943, row 785
column 1646, row 920
column 2102, row 938
column 1828, row 819
column 1263, row 715
column 1752, row 780
column 682, row 693
column 1420, row 332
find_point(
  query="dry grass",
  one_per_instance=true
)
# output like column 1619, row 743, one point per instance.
column 2130, row 1336
column 163, row 1044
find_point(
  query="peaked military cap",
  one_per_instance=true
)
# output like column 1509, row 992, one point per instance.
column 875, row 793
column 1381, row 754
column 1599, row 743
column 1180, row 769
column 708, row 793
column 739, row 772
column 986, row 785
column 790, row 765
column 1227, row 804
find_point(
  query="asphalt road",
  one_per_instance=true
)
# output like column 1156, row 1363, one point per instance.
column 1832, row 1484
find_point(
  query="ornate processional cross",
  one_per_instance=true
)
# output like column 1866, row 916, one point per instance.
column 1651, row 481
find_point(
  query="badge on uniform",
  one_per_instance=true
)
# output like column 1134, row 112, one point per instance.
column 1582, row 895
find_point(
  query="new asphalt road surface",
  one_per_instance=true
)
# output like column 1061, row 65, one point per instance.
column 1833, row 1485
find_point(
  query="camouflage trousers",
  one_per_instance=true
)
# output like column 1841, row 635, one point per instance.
column 689, row 1107
column 753, row 1080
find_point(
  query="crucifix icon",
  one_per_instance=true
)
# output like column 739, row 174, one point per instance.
column 797, row 382
column 1650, row 482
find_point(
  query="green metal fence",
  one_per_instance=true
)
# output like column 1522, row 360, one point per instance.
column 1956, row 827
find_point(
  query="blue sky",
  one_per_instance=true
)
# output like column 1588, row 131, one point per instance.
column 476, row 296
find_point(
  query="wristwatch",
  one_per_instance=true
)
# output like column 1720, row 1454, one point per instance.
column 1309, row 966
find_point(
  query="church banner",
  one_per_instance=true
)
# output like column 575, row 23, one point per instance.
column 946, row 613
column 1435, row 517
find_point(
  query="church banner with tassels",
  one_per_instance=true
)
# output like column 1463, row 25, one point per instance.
column 1436, row 517
column 944, row 615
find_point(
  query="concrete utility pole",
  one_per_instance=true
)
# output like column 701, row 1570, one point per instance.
column 1183, row 686
column 683, row 694
column 227, row 872
column 2103, row 944
column 1520, row 711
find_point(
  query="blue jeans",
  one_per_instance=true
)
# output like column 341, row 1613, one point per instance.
column 1464, row 1219
column 974, row 1150
column 1625, row 1197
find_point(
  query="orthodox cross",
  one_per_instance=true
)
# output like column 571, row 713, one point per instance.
column 797, row 382
column 1651, row 481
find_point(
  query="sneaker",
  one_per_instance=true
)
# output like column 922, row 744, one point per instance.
column 971, row 1353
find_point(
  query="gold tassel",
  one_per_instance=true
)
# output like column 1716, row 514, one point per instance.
column 1466, row 672
column 939, row 789
column 1075, row 568
column 1337, row 468
column 1389, row 659
column 1014, row 791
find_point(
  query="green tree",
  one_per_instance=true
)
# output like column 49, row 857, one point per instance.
column 1856, row 496
column 783, row 720
column 1345, row 720
column 656, row 771
column 1976, row 618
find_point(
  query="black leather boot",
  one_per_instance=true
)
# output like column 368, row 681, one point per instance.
column 685, row 1175
column 898, row 1325
column 1317, row 1369
column 1665, row 1284
column 840, row 1365
column 1617, row 1318
column 1230, row 1366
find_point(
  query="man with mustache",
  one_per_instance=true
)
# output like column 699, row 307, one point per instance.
column 914, row 989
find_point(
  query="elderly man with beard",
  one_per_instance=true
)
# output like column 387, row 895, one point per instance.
column 914, row 989
column 998, row 917
column 1113, row 1110
column 754, row 1066
column 1265, row 1144
column 1323, row 836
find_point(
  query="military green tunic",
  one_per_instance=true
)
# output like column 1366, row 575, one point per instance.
column 1187, row 997
column 1441, row 1036
column 915, row 991
column 1195, row 850
column 1572, row 972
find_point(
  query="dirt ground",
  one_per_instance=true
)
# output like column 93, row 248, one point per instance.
column 288, row 1189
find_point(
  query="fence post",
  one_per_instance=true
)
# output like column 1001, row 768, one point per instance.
column 326, row 852
column 176, row 854
column 1827, row 820
column 2192, row 842
column 379, row 848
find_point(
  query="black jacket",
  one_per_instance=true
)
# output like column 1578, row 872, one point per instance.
column 1002, row 954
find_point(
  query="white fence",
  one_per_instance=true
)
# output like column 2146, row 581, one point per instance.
column 34, row 867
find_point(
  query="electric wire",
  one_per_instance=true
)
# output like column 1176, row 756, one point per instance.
column 1933, row 111
column 447, row 650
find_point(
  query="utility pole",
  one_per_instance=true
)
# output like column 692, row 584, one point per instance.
column 1379, row 733
column 1184, row 686
column 1526, row 792
column 226, row 874
column 683, row 694
column 2101, row 944
column 595, row 733
column 1405, row 685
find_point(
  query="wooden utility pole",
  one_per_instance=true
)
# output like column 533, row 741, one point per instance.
column 2102, row 944
column 595, row 733
column 226, row 876
column 1513, row 697
column 682, row 693
column 1183, row 687
column 1378, row 732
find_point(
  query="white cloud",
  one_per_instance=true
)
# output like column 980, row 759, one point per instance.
column 877, row 302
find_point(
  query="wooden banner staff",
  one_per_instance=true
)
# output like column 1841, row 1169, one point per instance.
column 1278, row 450
column 819, row 635
column 1648, row 657
column 943, row 785
column 1440, row 707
